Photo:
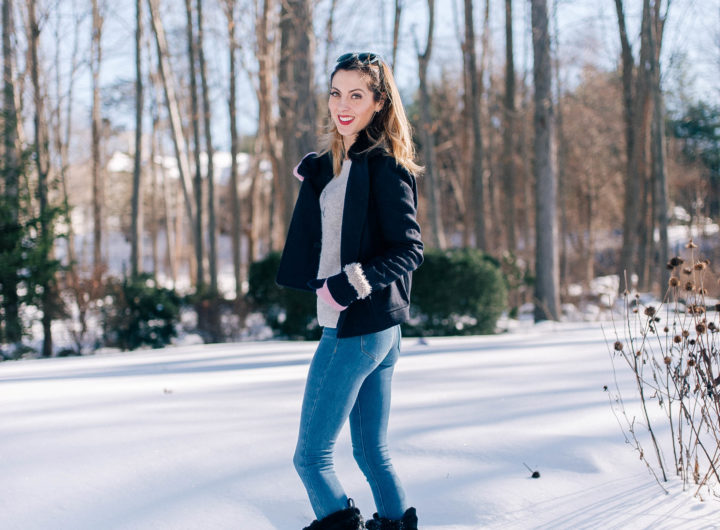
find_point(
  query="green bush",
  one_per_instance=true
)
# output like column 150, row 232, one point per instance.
column 457, row 292
column 288, row 312
column 137, row 312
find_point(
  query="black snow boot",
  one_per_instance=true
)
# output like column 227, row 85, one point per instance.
column 347, row 519
column 409, row 521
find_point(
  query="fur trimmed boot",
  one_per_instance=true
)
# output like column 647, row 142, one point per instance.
column 347, row 519
column 409, row 521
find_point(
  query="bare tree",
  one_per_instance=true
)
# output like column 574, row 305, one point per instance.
column 11, row 173
column 195, row 122
column 658, row 165
column 296, row 97
column 42, row 161
column 561, row 156
column 636, row 103
column 136, row 220
column 96, row 118
column 232, row 109
column 173, row 109
column 210, row 151
column 508, row 132
column 396, row 31
column 267, row 130
column 546, row 259
column 437, row 233
column 646, row 180
column 473, row 107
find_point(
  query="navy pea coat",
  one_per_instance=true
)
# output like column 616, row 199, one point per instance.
column 380, row 242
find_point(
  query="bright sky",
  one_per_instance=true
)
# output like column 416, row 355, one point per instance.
column 587, row 34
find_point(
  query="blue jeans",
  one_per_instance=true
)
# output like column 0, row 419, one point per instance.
column 349, row 377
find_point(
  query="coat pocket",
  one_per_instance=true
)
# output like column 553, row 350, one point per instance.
column 393, row 297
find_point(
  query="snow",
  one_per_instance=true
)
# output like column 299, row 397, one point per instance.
column 202, row 437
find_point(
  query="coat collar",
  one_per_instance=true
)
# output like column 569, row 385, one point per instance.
column 361, row 147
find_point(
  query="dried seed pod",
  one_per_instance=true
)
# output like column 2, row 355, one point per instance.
column 676, row 261
column 685, row 333
column 674, row 281
column 677, row 339
column 667, row 360
column 649, row 311
column 666, row 329
column 691, row 362
column 701, row 328
column 700, row 266
column 618, row 346
column 687, row 271
column 691, row 244
column 689, row 286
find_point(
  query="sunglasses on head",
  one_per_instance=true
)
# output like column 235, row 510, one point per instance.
column 363, row 58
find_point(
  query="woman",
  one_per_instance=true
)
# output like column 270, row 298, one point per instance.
column 355, row 241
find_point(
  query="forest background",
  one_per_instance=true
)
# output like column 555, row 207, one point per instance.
column 148, row 149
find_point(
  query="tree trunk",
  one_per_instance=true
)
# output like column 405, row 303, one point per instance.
column 329, row 37
column 42, row 160
column 658, row 166
column 97, row 171
column 508, row 133
column 561, row 160
column 210, row 150
column 234, row 196
column 476, row 165
column 296, row 99
column 546, row 259
column 11, row 173
column 437, row 233
column 396, row 32
column 154, row 202
column 492, row 226
column 136, row 203
column 267, row 130
column 637, row 121
column 173, row 110
column 198, row 186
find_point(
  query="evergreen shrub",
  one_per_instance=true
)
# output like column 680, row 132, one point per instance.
column 288, row 312
column 136, row 312
column 456, row 292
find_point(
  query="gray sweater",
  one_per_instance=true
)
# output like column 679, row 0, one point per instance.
column 332, row 203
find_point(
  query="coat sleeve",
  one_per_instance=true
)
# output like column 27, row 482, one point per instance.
column 394, row 191
column 301, row 253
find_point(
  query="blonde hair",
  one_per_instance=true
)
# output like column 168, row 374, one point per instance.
column 389, row 128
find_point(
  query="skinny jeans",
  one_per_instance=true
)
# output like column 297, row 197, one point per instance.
column 349, row 377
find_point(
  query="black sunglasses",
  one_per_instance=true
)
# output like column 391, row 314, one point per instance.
column 363, row 58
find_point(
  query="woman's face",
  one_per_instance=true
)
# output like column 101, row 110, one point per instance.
column 351, row 104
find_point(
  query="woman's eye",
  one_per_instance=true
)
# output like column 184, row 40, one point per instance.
column 333, row 94
column 356, row 96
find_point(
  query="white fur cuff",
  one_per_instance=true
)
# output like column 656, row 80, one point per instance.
column 357, row 279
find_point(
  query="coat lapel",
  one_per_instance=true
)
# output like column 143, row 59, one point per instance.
column 355, row 211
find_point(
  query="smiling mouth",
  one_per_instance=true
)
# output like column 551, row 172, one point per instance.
column 345, row 120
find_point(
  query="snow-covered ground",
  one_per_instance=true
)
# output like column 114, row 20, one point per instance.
column 201, row 437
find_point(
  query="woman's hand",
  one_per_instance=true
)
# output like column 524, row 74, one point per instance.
column 324, row 294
